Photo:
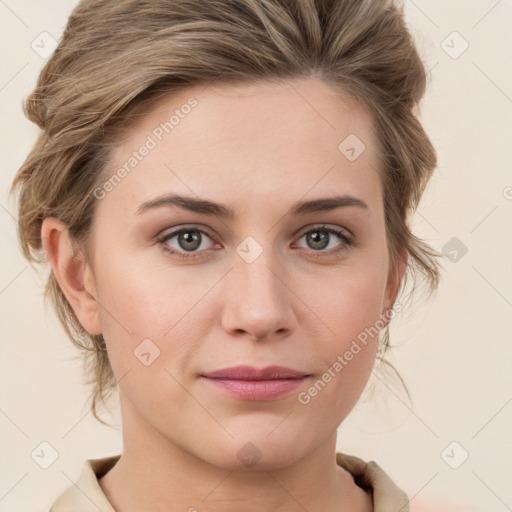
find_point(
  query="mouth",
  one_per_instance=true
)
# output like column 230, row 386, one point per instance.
column 249, row 383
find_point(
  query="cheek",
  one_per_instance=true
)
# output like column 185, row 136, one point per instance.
column 346, row 360
column 348, row 302
column 151, row 310
column 138, row 298
column 132, row 308
column 351, row 307
column 141, row 322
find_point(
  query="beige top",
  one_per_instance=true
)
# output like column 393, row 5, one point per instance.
column 86, row 494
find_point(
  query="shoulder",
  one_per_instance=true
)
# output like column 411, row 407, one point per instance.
column 370, row 476
column 85, row 494
column 387, row 494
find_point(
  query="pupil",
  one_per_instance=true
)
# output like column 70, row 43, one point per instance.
column 318, row 239
column 189, row 241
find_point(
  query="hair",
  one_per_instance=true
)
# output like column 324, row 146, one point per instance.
column 116, row 57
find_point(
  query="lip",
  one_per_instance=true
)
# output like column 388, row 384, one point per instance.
column 249, row 383
column 245, row 372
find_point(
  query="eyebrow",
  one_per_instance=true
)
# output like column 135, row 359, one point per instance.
column 206, row 207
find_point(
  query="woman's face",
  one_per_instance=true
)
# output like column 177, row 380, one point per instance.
column 271, row 284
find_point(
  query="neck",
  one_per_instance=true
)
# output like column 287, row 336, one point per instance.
column 156, row 474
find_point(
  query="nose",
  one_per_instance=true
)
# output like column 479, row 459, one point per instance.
column 258, row 300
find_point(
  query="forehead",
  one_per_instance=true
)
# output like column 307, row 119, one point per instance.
column 258, row 141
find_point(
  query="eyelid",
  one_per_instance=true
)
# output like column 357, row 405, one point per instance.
column 170, row 231
column 324, row 225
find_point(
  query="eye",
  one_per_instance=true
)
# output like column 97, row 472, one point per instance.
column 188, row 242
column 321, row 237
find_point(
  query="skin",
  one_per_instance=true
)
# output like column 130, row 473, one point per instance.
column 258, row 149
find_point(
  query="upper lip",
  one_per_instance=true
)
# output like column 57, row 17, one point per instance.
column 250, row 373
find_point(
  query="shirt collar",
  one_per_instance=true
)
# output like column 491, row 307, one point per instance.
column 86, row 495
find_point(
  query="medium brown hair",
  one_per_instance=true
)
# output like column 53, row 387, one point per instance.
column 116, row 56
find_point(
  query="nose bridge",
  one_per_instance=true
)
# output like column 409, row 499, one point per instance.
column 259, row 276
column 258, row 299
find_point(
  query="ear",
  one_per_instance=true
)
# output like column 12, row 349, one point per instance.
column 395, row 276
column 72, row 272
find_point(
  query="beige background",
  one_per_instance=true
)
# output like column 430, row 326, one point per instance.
column 454, row 351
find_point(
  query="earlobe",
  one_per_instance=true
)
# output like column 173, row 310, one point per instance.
column 72, row 273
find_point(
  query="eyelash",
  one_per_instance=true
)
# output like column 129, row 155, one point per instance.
column 345, row 246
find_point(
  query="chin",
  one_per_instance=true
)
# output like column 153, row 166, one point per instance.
column 257, row 452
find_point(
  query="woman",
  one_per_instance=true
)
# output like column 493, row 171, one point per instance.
column 222, row 191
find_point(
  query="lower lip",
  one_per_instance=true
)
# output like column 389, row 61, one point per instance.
column 257, row 389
